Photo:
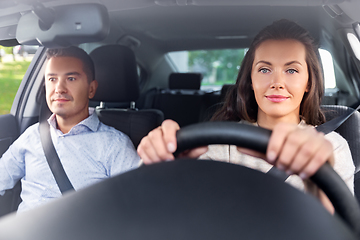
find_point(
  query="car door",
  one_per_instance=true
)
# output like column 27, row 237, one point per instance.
column 24, row 112
column 9, row 131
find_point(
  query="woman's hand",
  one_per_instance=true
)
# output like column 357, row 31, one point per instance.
column 160, row 144
column 296, row 150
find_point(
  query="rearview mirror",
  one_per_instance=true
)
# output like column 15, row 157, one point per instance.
column 68, row 25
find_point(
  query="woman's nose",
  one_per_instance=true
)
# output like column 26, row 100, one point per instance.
column 277, row 81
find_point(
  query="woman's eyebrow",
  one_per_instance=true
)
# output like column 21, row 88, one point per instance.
column 286, row 64
column 292, row 62
column 265, row 62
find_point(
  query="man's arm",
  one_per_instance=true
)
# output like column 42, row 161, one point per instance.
column 12, row 167
column 122, row 156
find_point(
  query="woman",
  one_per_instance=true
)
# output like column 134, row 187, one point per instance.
column 279, row 87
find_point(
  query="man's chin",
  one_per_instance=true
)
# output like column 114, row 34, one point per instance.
column 59, row 112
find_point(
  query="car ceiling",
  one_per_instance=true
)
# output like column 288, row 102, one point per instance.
column 207, row 27
column 155, row 27
column 208, row 23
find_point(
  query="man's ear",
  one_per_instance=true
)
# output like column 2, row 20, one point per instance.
column 92, row 88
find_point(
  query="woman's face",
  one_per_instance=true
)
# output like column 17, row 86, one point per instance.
column 279, row 80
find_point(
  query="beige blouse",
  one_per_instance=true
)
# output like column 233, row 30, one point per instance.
column 343, row 164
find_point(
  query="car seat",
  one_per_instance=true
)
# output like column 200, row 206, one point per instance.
column 190, row 81
column 350, row 130
column 210, row 109
column 182, row 101
column 116, row 73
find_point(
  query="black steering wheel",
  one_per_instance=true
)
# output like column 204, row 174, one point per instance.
column 190, row 199
column 256, row 138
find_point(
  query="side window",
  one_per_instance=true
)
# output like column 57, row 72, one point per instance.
column 14, row 62
column 328, row 69
column 218, row 67
column 141, row 75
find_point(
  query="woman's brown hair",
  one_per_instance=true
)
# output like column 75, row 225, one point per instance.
column 240, row 103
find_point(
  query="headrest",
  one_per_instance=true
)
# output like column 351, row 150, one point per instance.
column 185, row 81
column 116, row 73
column 224, row 90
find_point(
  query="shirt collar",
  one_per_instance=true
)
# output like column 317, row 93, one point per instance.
column 92, row 122
column 301, row 124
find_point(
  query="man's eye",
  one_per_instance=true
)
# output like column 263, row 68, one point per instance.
column 72, row 79
column 52, row 79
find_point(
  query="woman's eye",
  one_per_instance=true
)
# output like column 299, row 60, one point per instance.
column 292, row 71
column 264, row 70
column 52, row 79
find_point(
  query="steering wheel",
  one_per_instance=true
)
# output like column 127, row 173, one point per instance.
column 257, row 138
column 189, row 199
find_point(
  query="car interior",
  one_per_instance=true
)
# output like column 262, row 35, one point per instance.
column 132, row 44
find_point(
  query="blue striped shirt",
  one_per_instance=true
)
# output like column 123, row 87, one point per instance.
column 89, row 152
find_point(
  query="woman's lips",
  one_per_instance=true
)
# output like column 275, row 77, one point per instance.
column 276, row 98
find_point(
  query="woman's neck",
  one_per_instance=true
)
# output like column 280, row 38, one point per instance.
column 269, row 122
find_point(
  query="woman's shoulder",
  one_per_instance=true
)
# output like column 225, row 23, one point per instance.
column 216, row 152
column 336, row 139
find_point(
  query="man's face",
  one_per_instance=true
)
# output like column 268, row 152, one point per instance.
column 67, row 88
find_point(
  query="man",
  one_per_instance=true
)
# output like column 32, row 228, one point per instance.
column 89, row 150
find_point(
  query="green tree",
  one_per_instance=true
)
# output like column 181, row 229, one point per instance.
column 217, row 66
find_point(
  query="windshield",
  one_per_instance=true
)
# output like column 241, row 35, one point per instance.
column 220, row 67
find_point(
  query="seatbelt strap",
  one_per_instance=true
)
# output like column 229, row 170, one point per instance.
column 326, row 128
column 334, row 123
column 52, row 157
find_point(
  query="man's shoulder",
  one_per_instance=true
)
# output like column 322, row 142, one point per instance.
column 106, row 129
column 110, row 135
column 30, row 135
column 30, row 131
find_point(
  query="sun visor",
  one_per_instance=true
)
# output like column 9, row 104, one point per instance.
column 63, row 26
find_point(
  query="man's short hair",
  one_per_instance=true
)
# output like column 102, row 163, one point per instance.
column 75, row 52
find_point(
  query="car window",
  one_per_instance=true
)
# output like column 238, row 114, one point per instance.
column 221, row 67
column 328, row 69
column 218, row 67
column 14, row 62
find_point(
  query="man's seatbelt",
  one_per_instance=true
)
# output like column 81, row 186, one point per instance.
column 326, row 128
column 52, row 157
